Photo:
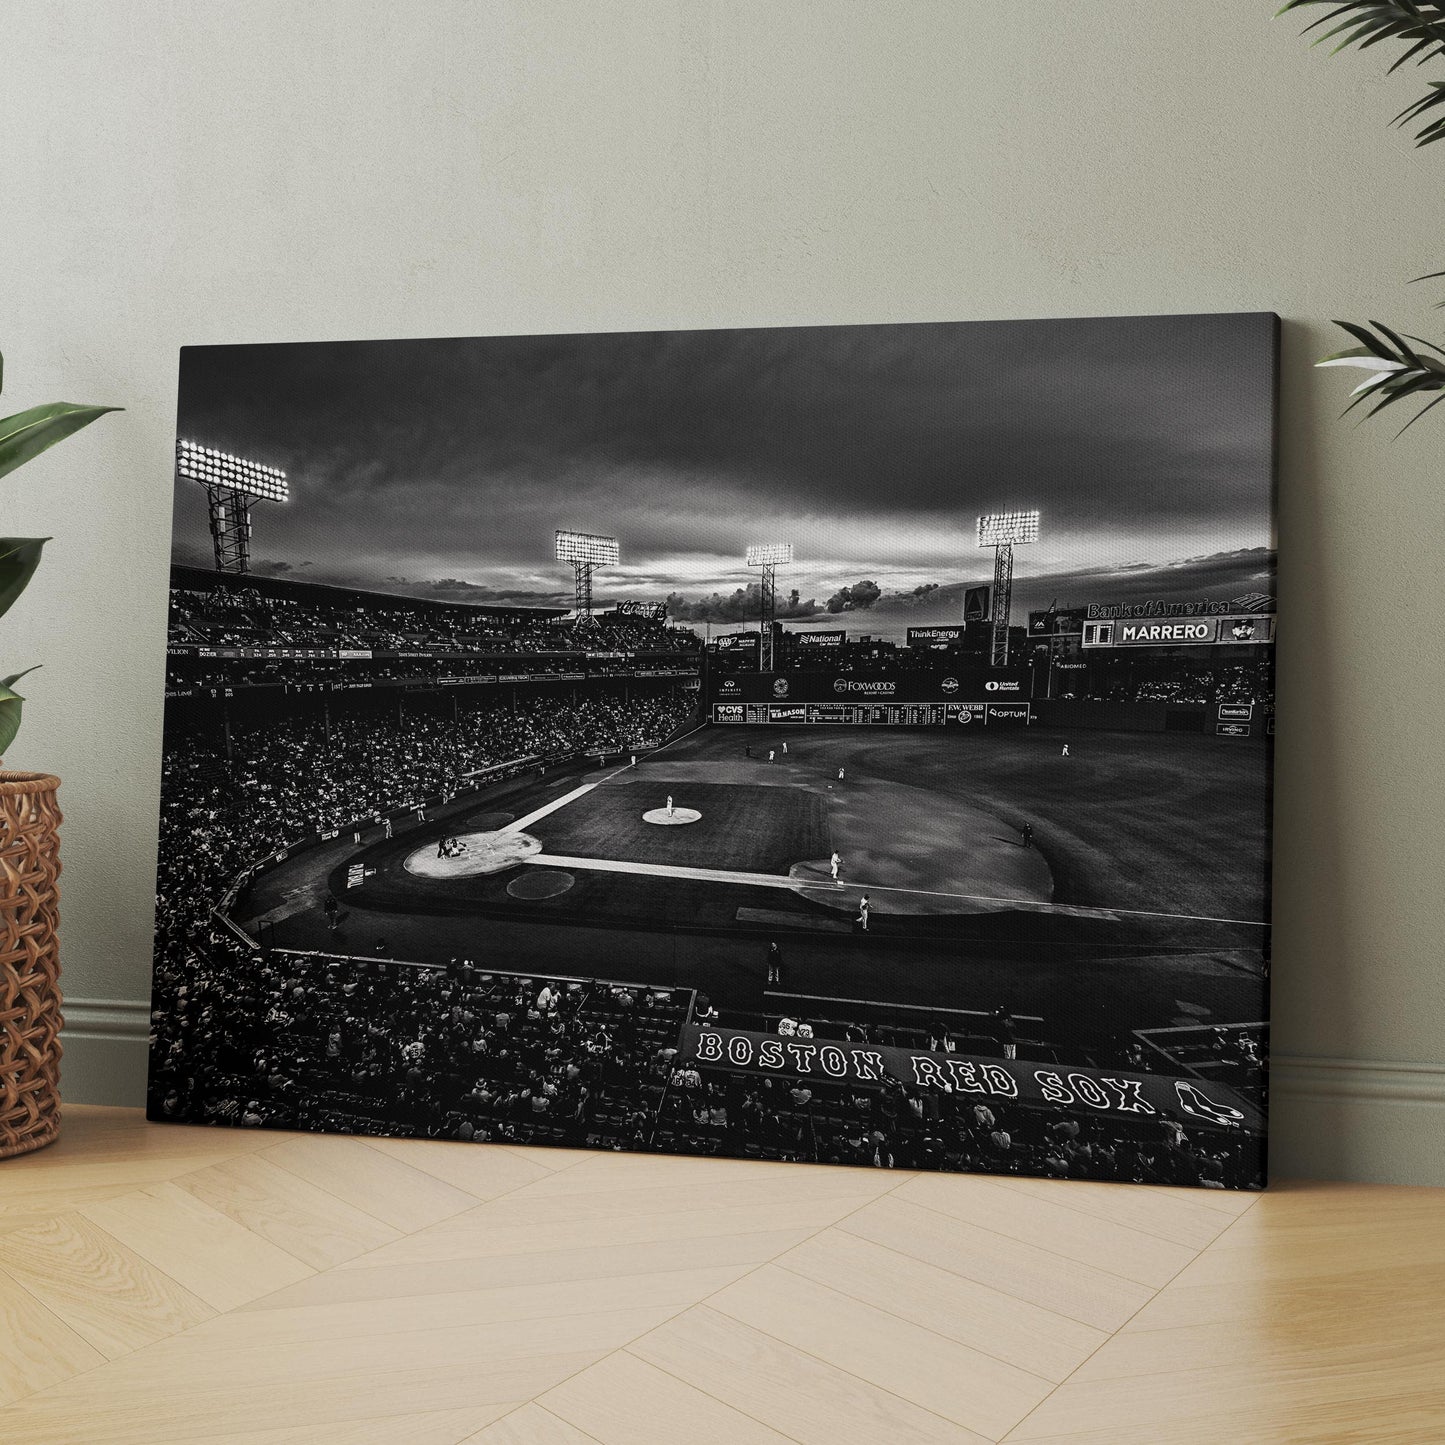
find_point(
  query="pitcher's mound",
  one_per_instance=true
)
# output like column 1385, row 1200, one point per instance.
column 481, row 853
column 672, row 819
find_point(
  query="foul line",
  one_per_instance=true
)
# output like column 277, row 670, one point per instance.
column 774, row 880
column 664, row 870
column 521, row 823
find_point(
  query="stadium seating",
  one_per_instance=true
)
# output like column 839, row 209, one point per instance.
column 214, row 615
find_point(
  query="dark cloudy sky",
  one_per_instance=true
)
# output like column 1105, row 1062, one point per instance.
column 442, row 467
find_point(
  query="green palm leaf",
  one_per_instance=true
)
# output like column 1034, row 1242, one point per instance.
column 1419, row 24
column 1397, row 370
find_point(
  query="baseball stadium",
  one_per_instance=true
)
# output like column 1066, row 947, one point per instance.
column 479, row 825
column 1076, row 875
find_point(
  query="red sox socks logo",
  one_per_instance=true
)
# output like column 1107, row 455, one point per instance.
column 1194, row 1101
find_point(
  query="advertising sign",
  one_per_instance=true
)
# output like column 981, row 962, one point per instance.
column 1247, row 629
column 896, row 714
column 954, row 683
column 1055, row 623
column 1174, row 629
column 652, row 611
column 737, row 642
column 1189, row 632
column 1100, row 1091
column 1008, row 712
column 937, row 636
column 1231, row 730
column 819, row 639
column 1164, row 634
column 976, row 604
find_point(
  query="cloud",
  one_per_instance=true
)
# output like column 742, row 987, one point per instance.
column 744, row 605
column 874, row 445
column 859, row 597
column 455, row 589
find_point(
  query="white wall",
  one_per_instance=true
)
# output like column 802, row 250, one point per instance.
column 250, row 170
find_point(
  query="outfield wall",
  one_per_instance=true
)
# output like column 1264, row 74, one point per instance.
column 943, row 685
column 1233, row 720
column 1137, row 717
column 1226, row 720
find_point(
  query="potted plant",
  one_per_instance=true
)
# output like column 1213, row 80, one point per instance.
column 1401, row 366
column 29, row 845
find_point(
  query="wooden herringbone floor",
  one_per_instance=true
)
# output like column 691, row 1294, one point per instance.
column 171, row 1284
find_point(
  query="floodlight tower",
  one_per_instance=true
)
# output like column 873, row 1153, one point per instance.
column 1003, row 531
column 232, row 484
column 586, row 552
column 768, row 557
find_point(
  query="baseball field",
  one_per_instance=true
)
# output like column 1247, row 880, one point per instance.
column 1126, row 881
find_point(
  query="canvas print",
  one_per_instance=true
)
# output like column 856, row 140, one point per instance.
column 835, row 744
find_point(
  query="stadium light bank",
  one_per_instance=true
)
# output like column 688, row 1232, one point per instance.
column 586, row 551
column 232, row 484
column 768, row 557
column 1003, row 531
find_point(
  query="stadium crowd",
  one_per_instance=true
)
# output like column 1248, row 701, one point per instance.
column 895, row 1125
column 188, row 675
column 370, row 1046
column 242, row 616
column 289, row 780
column 315, row 1041
column 1232, row 682
column 264, row 1037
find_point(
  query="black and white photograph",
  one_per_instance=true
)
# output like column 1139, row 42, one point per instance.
column 848, row 745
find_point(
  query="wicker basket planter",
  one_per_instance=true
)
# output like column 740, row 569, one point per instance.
column 29, row 962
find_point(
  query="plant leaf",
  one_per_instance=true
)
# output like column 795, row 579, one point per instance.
column 1406, row 352
column 28, row 433
column 1418, row 415
column 1397, row 371
column 1419, row 24
column 1370, row 343
column 1358, row 356
column 1429, row 345
column 10, row 704
column 19, row 557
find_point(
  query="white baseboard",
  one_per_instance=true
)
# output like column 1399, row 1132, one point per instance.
column 105, row 1041
column 1365, row 1120
column 1358, row 1079
column 1354, row 1119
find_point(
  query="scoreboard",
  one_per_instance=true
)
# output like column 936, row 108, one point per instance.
column 877, row 714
